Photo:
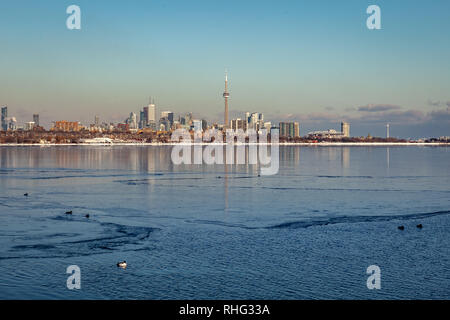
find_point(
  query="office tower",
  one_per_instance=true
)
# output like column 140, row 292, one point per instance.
column 151, row 111
column 204, row 125
column 289, row 129
column 131, row 121
column 387, row 131
column 167, row 115
column 4, row 124
column 188, row 118
column 296, row 129
column 197, row 125
column 29, row 126
column 345, row 129
column 226, row 94
column 255, row 121
column 97, row 121
column 36, row 120
column 11, row 123
column 145, row 118
column 141, row 120
column 238, row 123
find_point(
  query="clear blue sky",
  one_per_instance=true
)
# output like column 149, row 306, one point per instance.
column 310, row 61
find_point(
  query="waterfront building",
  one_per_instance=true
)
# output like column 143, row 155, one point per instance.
column 36, row 120
column 238, row 123
column 66, row 126
column 255, row 121
column 132, row 121
column 345, row 129
column 167, row 115
column 289, row 129
column 29, row 126
column 11, row 123
column 151, row 115
column 331, row 133
column 4, row 124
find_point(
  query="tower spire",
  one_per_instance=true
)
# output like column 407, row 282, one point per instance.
column 225, row 96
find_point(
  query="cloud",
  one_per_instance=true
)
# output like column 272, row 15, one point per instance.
column 378, row 107
column 441, row 116
column 434, row 103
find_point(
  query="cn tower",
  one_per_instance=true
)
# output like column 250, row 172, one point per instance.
column 226, row 95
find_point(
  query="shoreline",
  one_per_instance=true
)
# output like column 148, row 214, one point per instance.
column 157, row 144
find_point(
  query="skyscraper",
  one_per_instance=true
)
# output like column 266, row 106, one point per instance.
column 167, row 115
column 151, row 111
column 145, row 117
column 226, row 95
column 4, row 124
column 36, row 120
column 289, row 129
column 345, row 129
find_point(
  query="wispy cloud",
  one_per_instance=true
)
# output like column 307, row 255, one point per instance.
column 378, row 107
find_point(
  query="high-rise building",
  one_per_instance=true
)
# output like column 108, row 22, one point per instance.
column 151, row 111
column 345, row 129
column 131, row 121
column 255, row 121
column 289, row 129
column 226, row 94
column 36, row 120
column 145, row 117
column 168, row 115
column 97, row 121
column 29, row 126
column 4, row 124
column 238, row 123
column 11, row 123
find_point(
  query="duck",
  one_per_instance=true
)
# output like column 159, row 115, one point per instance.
column 26, row 194
column 401, row 228
column 419, row 226
column 69, row 212
column 87, row 215
column 122, row 264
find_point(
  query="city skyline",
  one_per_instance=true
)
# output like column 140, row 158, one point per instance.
column 317, row 64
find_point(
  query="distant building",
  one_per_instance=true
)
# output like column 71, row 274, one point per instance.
column 331, row 133
column 255, row 121
column 289, row 129
column 197, row 125
column 29, row 126
column 345, row 129
column 66, row 126
column 131, row 121
column 151, row 117
column 4, row 124
column 238, row 123
column 204, row 124
column 168, row 115
column 11, row 123
column 36, row 120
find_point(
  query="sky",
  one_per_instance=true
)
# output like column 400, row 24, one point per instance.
column 314, row 62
